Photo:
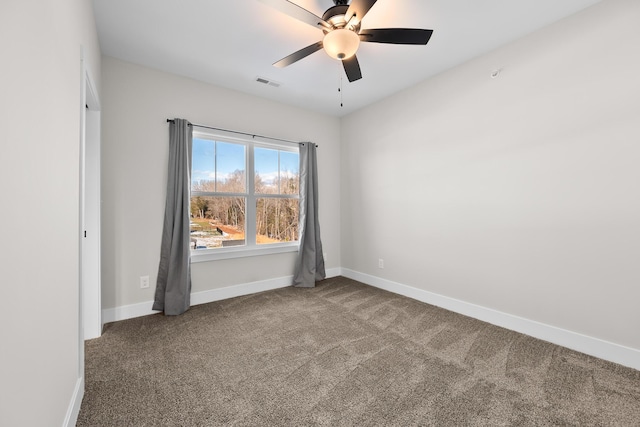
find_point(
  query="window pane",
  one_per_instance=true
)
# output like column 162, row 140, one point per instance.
column 217, row 222
column 276, row 220
column 276, row 171
column 203, row 167
column 231, row 168
column 266, row 177
column 289, row 172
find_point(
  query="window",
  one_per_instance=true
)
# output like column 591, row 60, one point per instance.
column 244, row 197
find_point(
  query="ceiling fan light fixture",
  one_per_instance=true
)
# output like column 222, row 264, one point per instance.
column 341, row 43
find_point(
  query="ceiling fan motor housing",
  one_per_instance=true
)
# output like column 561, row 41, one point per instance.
column 335, row 17
column 341, row 39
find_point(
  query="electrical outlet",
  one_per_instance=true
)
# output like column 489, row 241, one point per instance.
column 144, row 282
column 380, row 263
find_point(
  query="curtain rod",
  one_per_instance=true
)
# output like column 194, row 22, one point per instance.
column 252, row 135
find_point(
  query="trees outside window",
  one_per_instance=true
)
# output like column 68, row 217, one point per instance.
column 243, row 194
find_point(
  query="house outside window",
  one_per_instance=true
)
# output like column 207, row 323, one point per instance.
column 244, row 197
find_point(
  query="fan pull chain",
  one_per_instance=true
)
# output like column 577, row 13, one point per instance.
column 340, row 90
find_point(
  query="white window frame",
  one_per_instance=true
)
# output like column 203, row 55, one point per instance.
column 250, row 248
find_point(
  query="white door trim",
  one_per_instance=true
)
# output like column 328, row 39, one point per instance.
column 90, row 215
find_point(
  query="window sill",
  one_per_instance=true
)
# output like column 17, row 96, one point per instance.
column 204, row 255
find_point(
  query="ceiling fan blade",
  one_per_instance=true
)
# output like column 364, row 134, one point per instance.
column 396, row 35
column 297, row 12
column 297, row 56
column 359, row 8
column 352, row 68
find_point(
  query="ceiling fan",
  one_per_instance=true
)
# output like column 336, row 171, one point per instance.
column 342, row 33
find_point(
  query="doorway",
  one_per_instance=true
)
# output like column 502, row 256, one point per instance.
column 91, row 306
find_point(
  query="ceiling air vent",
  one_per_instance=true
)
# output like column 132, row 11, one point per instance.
column 267, row 82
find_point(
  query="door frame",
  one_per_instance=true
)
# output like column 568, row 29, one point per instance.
column 90, row 207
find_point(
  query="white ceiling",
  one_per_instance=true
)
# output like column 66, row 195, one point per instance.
column 231, row 43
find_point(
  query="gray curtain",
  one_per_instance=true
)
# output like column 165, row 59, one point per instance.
column 173, row 288
column 310, row 262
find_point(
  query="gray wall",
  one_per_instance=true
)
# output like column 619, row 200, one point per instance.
column 519, row 193
column 40, row 109
column 137, row 101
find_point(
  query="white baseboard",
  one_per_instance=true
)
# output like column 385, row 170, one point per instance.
column 73, row 410
column 203, row 297
column 124, row 312
column 333, row 272
column 585, row 344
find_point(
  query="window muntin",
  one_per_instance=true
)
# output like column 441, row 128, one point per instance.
column 234, row 210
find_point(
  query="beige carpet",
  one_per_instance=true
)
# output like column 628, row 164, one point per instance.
column 347, row 354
